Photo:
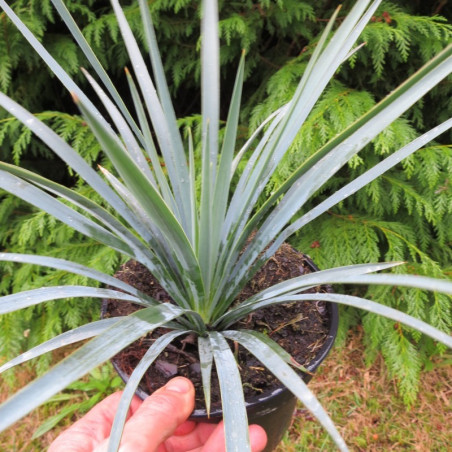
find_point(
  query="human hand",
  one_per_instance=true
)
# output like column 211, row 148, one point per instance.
column 158, row 424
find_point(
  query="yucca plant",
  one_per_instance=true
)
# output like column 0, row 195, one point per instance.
column 201, row 236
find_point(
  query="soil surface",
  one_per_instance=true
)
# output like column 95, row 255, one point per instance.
column 300, row 328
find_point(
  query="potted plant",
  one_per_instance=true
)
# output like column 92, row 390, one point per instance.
column 199, row 225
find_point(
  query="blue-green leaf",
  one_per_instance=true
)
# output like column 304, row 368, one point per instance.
column 92, row 58
column 233, row 403
column 20, row 300
column 71, row 217
column 134, row 380
column 69, row 337
column 90, row 355
column 286, row 375
column 205, row 360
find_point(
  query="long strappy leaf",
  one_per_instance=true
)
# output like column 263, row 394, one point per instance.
column 367, row 305
column 20, row 300
column 72, row 218
column 92, row 58
column 90, row 355
column 69, row 337
column 134, row 380
column 233, row 403
column 68, row 155
column 173, row 154
column 288, row 377
column 74, row 268
column 302, row 283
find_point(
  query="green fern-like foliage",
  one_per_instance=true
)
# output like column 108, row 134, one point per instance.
column 25, row 230
column 405, row 215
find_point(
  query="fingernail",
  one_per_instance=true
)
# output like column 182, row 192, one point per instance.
column 181, row 385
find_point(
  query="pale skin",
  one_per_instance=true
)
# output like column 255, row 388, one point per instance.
column 159, row 424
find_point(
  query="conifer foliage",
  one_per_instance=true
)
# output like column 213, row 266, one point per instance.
column 404, row 215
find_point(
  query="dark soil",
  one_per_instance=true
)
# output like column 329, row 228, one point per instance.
column 300, row 328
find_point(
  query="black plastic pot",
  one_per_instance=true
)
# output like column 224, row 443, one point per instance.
column 272, row 411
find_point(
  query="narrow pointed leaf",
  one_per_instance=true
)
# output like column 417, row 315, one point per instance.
column 277, row 349
column 134, row 380
column 418, row 282
column 205, row 360
column 69, row 337
column 233, row 403
column 92, row 58
column 90, row 355
column 210, row 87
column 163, row 91
column 149, row 144
column 20, row 300
column 68, row 155
column 357, row 184
column 53, row 65
column 245, row 148
column 173, row 154
column 89, row 206
column 49, row 204
column 286, row 375
column 205, row 241
column 157, row 67
column 301, row 283
column 74, row 268
column 132, row 146
column 51, row 422
column 367, row 305
column 222, row 183
column 192, row 172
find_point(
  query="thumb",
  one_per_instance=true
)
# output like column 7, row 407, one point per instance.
column 159, row 416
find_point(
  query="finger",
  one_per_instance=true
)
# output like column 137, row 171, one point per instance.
column 216, row 441
column 185, row 428
column 93, row 428
column 193, row 439
column 159, row 416
column 258, row 438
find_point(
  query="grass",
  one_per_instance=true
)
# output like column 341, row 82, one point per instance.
column 364, row 404
column 362, row 401
column 18, row 438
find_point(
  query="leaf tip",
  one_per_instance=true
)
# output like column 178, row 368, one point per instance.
column 75, row 98
column 102, row 169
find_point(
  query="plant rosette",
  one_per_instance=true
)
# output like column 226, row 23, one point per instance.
column 306, row 331
column 201, row 216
